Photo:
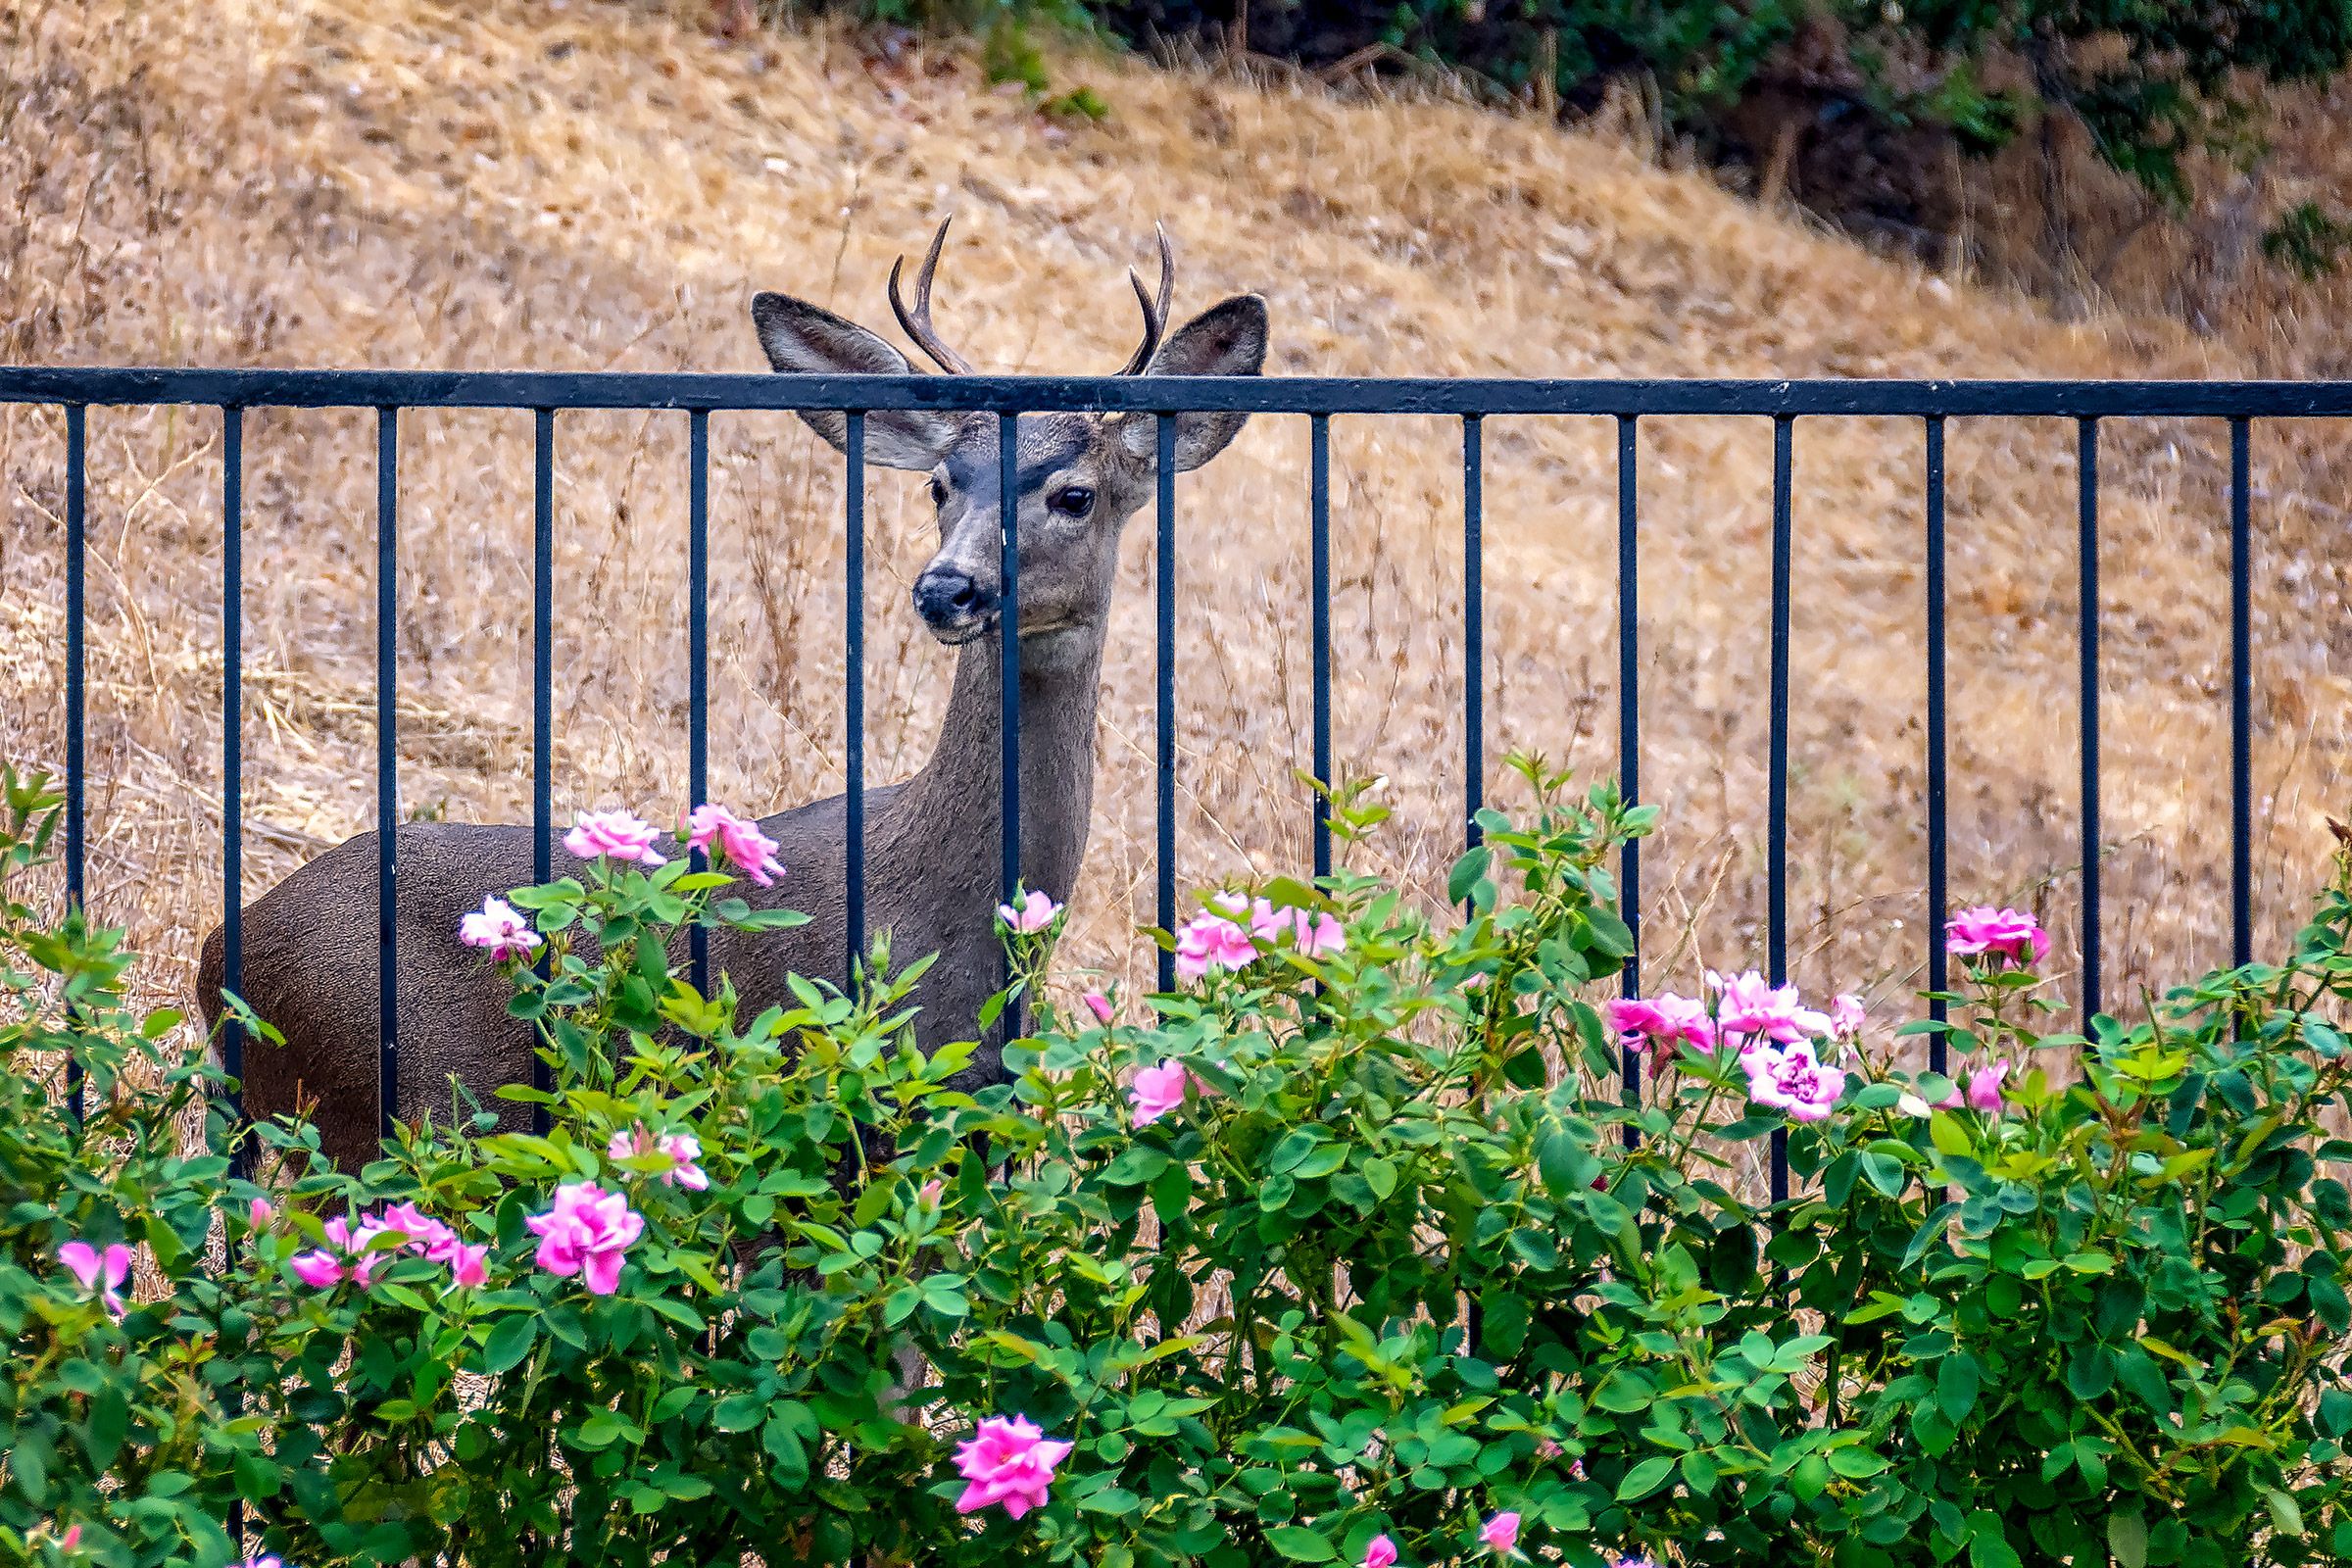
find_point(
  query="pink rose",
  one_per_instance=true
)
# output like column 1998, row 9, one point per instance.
column 260, row 1212
column 1984, row 930
column 1315, row 935
column 682, row 1149
column 929, row 1193
column 586, row 1233
column 1008, row 1462
column 1211, row 942
column 1984, row 1088
column 1378, row 1553
column 499, row 930
column 1748, row 1004
column 318, row 1269
column 745, row 848
column 1501, row 1532
column 468, row 1265
column 1099, row 1005
column 1156, row 1091
column 1660, row 1020
column 1791, row 1080
column 1846, row 1016
column 89, row 1267
column 1034, row 913
column 613, row 836
column 427, row 1236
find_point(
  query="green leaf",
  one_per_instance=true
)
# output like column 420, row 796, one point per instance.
column 1300, row 1544
column 1957, row 1378
column 1466, row 875
column 509, row 1342
column 2128, row 1540
column 1646, row 1477
column 2286, row 1512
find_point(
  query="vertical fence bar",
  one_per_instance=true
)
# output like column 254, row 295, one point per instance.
column 1784, row 442
column 543, row 659
column 232, row 762
column 698, row 653
column 1319, row 544
column 1164, row 726
column 1939, row 973
column 2241, row 695
column 1474, row 632
column 1008, row 667
column 2087, row 473
column 1629, row 723
column 853, row 639
column 387, row 766
column 76, row 762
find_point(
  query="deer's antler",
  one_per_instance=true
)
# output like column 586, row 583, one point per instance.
column 918, row 322
column 1155, row 317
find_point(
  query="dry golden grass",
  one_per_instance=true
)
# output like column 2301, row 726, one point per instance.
column 601, row 187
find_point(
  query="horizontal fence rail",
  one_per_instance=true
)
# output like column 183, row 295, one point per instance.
column 1319, row 398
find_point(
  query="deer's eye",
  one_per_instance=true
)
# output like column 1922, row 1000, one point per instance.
column 938, row 491
column 1071, row 500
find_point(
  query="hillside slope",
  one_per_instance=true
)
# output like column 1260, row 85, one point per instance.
column 601, row 187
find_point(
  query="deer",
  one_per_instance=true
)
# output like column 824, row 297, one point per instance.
column 308, row 951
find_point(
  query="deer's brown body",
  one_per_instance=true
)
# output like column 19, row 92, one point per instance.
column 310, row 944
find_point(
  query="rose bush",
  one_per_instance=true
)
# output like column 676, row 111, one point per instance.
column 1359, row 1248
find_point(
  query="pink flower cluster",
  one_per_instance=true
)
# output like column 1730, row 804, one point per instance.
column 357, row 1257
column 1746, row 1011
column 587, row 1232
column 745, row 848
column 104, row 1272
column 1499, row 1535
column 683, row 1150
column 1008, row 1463
column 1215, row 940
column 615, row 835
column 1985, row 932
column 499, row 929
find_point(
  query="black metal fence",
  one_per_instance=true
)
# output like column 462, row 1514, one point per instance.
column 2237, row 404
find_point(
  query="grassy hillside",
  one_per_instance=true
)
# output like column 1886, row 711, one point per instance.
column 601, row 187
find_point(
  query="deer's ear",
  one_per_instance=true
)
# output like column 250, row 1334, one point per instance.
column 1226, row 339
column 804, row 339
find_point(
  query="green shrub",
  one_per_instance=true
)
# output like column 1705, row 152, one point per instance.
column 1352, row 1250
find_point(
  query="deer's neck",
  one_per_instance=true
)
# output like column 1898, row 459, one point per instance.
column 952, row 809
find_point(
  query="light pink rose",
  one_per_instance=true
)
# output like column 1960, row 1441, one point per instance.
column 1099, row 1005
column 1008, row 1462
column 930, row 1191
column 586, row 1233
column 746, row 849
column 1792, row 1080
column 1315, row 934
column 1501, row 1532
column 103, row 1272
column 683, row 1150
column 260, row 1212
column 615, row 835
column 1211, row 942
column 355, row 1236
column 1378, row 1553
column 1034, row 913
column 2010, row 933
column 1846, row 1015
column 497, row 929
column 1748, row 1004
column 1156, row 1091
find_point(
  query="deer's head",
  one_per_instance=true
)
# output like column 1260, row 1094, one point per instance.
column 1079, row 476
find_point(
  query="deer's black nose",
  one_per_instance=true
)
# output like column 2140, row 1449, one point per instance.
column 950, row 599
